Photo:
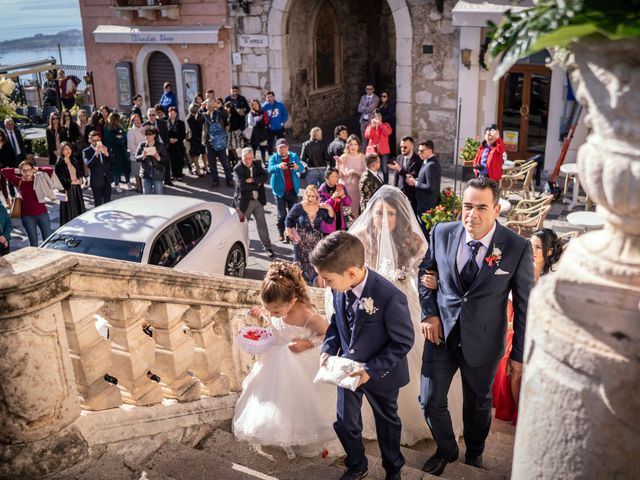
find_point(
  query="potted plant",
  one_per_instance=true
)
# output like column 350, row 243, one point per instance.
column 578, row 407
column 447, row 210
column 41, row 155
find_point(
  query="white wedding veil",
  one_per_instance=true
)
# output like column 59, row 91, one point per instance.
column 389, row 230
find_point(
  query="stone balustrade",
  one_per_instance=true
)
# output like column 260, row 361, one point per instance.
column 56, row 364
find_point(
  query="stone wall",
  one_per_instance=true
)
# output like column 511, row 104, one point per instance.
column 382, row 41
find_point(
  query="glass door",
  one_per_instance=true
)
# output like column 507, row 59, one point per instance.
column 523, row 110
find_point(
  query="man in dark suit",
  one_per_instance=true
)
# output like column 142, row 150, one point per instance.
column 407, row 163
column 96, row 157
column 250, row 198
column 371, row 180
column 427, row 184
column 372, row 325
column 16, row 141
column 478, row 262
column 162, row 137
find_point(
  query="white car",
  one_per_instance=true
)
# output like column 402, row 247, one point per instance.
column 166, row 230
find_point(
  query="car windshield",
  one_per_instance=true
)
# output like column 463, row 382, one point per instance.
column 101, row 247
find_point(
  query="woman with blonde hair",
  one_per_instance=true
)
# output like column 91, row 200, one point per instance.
column 351, row 166
column 303, row 225
column 315, row 156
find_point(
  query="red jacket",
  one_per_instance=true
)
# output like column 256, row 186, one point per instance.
column 494, row 160
column 379, row 137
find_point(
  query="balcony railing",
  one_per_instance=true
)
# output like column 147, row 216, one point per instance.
column 148, row 9
column 167, row 362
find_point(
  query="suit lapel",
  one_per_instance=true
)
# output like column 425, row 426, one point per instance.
column 455, row 237
column 498, row 241
column 369, row 288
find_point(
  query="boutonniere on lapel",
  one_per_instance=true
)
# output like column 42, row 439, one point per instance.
column 368, row 306
column 495, row 257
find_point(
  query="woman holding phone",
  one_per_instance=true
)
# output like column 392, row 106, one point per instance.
column 153, row 156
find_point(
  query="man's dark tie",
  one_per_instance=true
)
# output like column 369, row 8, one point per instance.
column 470, row 269
column 13, row 141
column 350, row 315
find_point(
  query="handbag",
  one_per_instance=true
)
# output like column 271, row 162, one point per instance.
column 247, row 132
column 371, row 149
column 16, row 204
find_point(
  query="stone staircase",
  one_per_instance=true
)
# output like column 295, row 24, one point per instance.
column 220, row 456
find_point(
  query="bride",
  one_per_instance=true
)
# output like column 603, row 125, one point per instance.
column 394, row 247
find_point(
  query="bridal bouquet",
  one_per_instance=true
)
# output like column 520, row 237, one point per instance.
column 336, row 371
column 254, row 340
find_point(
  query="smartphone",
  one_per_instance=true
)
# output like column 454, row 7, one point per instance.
column 391, row 162
column 291, row 165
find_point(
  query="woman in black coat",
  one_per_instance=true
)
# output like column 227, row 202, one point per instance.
column 177, row 134
column 70, row 173
column 56, row 134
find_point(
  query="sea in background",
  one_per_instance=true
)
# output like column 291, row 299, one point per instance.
column 26, row 18
column 70, row 56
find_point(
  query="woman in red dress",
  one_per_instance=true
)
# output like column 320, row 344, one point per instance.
column 506, row 392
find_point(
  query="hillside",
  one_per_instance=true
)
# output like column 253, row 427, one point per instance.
column 67, row 38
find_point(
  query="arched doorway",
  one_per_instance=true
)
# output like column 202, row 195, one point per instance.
column 159, row 70
column 369, row 41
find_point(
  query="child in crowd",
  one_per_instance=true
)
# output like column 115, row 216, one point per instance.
column 280, row 405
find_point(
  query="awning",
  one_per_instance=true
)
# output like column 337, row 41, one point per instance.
column 475, row 14
column 122, row 34
column 30, row 67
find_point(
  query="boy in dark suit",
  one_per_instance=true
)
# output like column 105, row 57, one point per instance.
column 372, row 325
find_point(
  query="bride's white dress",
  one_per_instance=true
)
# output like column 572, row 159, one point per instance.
column 414, row 426
column 280, row 405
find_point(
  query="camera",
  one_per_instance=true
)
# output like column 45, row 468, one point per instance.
column 291, row 164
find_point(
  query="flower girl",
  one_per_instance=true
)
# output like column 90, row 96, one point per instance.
column 280, row 405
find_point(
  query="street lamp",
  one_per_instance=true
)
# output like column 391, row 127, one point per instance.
column 465, row 57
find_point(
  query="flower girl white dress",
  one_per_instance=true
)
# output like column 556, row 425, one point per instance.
column 280, row 405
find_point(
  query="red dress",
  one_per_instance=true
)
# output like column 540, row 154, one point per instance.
column 503, row 400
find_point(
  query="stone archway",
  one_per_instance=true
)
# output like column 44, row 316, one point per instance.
column 142, row 83
column 279, row 64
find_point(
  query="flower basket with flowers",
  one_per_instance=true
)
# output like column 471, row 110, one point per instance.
column 447, row 210
column 255, row 340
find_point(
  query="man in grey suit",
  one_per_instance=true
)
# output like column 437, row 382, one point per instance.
column 478, row 262
column 368, row 103
column 427, row 184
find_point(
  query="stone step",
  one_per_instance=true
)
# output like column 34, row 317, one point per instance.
column 224, row 445
column 109, row 466
column 455, row 471
column 181, row 462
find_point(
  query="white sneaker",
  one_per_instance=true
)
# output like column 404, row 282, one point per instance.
column 124, row 186
column 118, row 189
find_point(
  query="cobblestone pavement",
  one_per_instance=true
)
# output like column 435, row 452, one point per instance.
column 258, row 261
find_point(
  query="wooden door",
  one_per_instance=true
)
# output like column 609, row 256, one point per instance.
column 523, row 110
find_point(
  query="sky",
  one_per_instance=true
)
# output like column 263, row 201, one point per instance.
column 25, row 18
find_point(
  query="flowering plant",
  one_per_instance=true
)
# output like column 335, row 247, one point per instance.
column 368, row 306
column 447, row 210
column 495, row 257
column 7, row 107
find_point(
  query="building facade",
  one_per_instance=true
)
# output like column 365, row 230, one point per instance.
column 318, row 55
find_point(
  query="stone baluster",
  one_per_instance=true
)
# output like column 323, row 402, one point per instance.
column 580, row 398
column 90, row 355
column 208, row 356
column 133, row 352
column 174, row 351
column 38, row 397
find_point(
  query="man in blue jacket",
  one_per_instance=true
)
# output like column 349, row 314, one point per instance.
column 285, row 168
column 277, row 116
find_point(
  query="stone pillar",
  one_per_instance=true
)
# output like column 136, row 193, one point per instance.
column 90, row 355
column 206, row 365
column 133, row 352
column 580, row 401
column 174, row 352
column 38, row 397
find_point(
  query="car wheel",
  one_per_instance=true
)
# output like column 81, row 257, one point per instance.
column 236, row 262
